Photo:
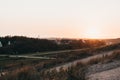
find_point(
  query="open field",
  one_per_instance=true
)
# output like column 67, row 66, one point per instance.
column 31, row 59
column 65, row 60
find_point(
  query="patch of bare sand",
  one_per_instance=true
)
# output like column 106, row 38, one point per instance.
column 112, row 74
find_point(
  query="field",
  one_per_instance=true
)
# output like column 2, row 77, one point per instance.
column 50, row 66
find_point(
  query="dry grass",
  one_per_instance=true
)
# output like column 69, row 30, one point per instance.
column 105, row 58
column 25, row 73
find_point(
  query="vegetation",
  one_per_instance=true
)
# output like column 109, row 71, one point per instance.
column 105, row 58
column 36, row 69
column 23, row 45
column 12, row 63
column 107, row 48
column 30, row 73
column 76, row 72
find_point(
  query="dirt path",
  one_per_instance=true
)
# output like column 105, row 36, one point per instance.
column 25, row 56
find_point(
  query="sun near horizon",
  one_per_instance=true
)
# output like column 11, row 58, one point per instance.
column 92, row 33
column 60, row 18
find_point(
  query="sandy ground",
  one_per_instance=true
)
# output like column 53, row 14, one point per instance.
column 110, row 71
column 113, row 74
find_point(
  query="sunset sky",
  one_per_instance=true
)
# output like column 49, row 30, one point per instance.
column 60, row 18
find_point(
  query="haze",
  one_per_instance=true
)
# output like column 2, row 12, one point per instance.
column 60, row 18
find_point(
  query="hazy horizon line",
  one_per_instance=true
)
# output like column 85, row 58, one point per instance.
column 57, row 37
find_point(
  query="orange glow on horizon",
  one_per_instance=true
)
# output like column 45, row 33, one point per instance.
column 92, row 33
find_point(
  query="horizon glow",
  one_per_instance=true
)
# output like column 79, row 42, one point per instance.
column 60, row 18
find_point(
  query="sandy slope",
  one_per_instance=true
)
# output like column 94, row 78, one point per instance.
column 113, row 74
column 109, row 71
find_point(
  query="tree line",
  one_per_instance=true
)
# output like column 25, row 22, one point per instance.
column 22, row 44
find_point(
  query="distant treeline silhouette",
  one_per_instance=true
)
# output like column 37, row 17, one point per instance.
column 22, row 44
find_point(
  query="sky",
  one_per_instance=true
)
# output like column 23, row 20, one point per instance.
column 60, row 18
